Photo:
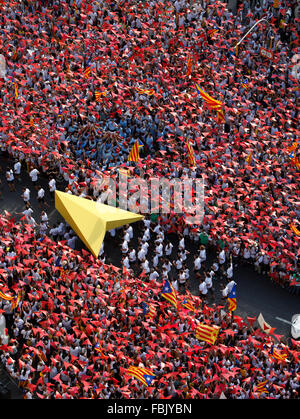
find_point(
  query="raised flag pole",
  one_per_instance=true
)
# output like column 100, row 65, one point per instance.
column 250, row 30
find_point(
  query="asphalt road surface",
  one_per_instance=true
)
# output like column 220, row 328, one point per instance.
column 255, row 293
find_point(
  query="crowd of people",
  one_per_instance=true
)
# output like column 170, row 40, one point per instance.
column 83, row 82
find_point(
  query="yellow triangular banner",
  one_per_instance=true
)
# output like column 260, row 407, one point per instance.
column 90, row 219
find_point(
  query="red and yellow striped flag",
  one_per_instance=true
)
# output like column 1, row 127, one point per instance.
column 261, row 387
column 134, row 154
column 148, row 92
column 249, row 158
column 6, row 297
column 294, row 229
column 191, row 154
column 99, row 94
column 211, row 102
column 207, row 333
column 142, row 374
column 189, row 66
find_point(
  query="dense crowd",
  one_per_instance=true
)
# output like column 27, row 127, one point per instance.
column 83, row 82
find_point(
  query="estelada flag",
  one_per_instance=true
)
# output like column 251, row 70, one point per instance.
column 168, row 293
column 148, row 310
column 99, row 349
column 187, row 304
column 142, row 374
column 87, row 71
column 277, row 355
column 231, row 299
column 207, row 333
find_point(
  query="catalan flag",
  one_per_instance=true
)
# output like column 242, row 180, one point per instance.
column 6, row 297
column 99, row 349
column 232, row 299
column 15, row 54
column 87, row 71
column 168, row 293
column 261, row 387
column 142, row 374
column 149, row 310
column 295, row 229
column 220, row 116
column 191, row 154
column 189, row 66
column 15, row 302
column 31, row 122
column 99, row 94
column 187, row 304
column 278, row 356
column 16, row 90
column 134, row 154
column 207, row 333
column 245, row 83
column 148, row 92
column 213, row 31
column 211, row 102
column 249, row 158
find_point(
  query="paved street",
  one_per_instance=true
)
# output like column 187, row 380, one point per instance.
column 255, row 293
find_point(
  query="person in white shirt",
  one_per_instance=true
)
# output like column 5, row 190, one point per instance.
column 10, row 180
column 203, row 289
column 34, row 175
column 129, row 230
column 26, row 195
column 145, row 247
column 155, row 260
column 202, row 253
column 44, row 217
column 209, row 283
column 197, row 263
column 159, row 250
column 52, row 185
column 145, row 266
column 125, row 247
column 141, row 254
column 229, row 272
column 228, row 288
column 27, row 212
column 222, row 257
column 126, row 262
column 182, row 278
column 132, row 255
column 178, row 264
column 174, row 283
column 146, row 235
column 41, row 197
column 17, row 169
column 168, row 249
column 181, row 245
column 153, row 275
